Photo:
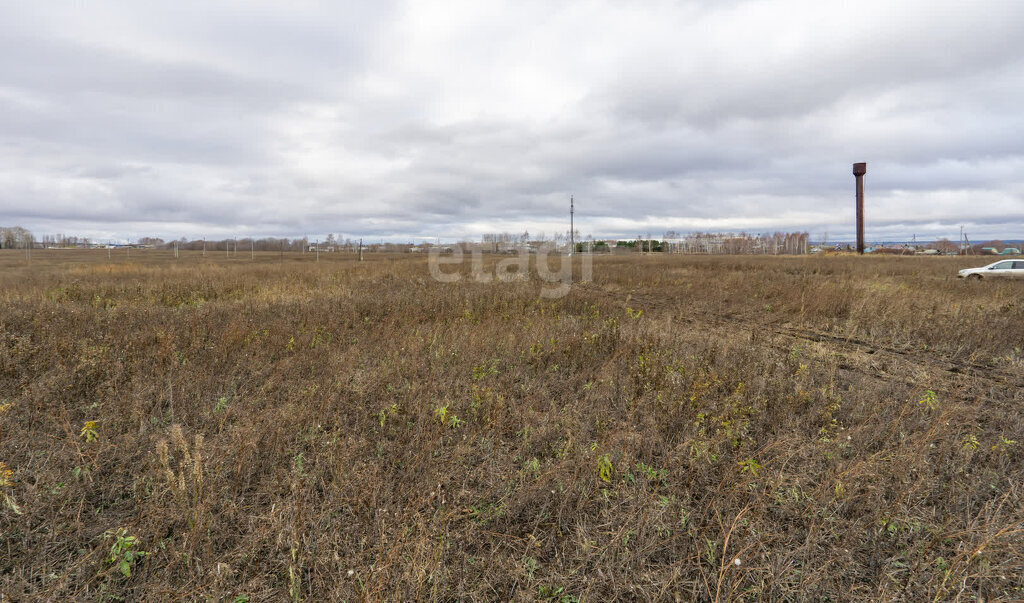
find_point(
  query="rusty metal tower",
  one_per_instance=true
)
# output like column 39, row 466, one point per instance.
column 859, row 169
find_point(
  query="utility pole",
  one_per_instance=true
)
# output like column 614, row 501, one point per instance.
column 317, row 250
column 360, row 250
column 204, row 247
column 252, row 249
column 572, row 226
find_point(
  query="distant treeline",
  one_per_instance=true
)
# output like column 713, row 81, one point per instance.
column 718, row 243
column 12, row 237
column 17, row 237
column 330, row 244
column 264, row 244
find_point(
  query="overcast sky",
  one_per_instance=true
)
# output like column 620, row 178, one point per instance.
column 454, row 118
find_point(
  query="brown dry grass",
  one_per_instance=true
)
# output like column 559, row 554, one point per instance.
column 274, row 429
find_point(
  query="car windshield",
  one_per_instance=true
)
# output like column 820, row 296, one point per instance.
column 1002, row 266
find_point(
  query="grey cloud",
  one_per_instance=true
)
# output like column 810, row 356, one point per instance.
column 196, row 118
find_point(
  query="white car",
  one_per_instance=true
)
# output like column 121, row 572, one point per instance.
column 1000, row 269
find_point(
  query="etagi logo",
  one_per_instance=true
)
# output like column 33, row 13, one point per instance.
column 556, row 283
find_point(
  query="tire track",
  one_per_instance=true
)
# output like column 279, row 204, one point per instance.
column 930, row 361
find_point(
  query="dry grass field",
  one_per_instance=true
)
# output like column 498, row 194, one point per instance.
column 679, row 428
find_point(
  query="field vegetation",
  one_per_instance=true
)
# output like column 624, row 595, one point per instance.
column 679, row 428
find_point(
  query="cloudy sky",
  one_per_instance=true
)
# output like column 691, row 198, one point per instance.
column 454, row 118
